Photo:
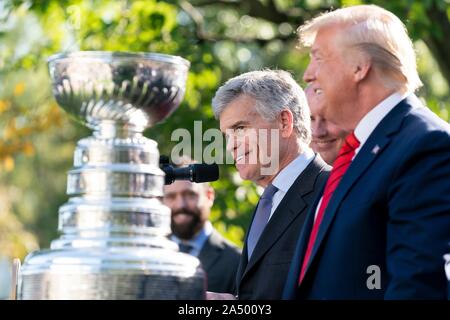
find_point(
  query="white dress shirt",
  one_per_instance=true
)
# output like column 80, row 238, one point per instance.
column 373, row 118
column 286, row 177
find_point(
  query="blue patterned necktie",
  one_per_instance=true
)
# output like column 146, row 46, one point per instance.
column 261, row 218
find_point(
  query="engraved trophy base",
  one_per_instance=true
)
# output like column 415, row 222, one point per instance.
column 111, row 274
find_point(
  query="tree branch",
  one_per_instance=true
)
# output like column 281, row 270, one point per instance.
column 268, row 12
column 438, row 41
column 203, row 35
column 256, row 9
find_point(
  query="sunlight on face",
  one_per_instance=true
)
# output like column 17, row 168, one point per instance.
column 248, row 137
column 329, row 73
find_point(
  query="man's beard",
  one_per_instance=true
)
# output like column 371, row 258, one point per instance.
column 186, row 231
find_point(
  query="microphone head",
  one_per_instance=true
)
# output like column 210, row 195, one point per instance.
column 204, row 172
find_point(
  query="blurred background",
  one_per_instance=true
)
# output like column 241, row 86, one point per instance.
column 220, row 38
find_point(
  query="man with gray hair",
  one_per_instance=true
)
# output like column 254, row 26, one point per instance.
column 266, row 120
column 382, row 225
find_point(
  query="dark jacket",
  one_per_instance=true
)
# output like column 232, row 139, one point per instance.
column 389, row 215
column 220, row 260
column 264, row 276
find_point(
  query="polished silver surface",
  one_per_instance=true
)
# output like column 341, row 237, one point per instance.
column 136, row 89
column 111, row 273
column 131, row 215
column 108, row 151
column 124, row 166
column 133, row 181
column 114, row 228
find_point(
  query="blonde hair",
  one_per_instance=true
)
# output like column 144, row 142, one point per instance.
column 379, row 34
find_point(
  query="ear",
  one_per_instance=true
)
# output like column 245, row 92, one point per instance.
column 361, row 67
column 210, row 194
column 286, row 123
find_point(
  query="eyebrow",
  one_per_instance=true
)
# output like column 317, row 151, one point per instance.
column 238, row 124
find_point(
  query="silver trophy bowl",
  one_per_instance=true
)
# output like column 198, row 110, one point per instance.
column 113, row 242
column 136, row 90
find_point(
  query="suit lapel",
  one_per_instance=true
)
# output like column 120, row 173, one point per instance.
column 244, row 257
column 289, row 208
column 373, row 147
column 211, row 251
column 290, row 288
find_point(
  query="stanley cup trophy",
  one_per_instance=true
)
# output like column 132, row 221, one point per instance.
column 113, row 242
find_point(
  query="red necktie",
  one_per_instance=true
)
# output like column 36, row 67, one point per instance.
column 343, row 161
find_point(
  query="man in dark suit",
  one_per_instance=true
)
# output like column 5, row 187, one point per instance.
column 265, row 117
column 191, row 204
column 382, row 225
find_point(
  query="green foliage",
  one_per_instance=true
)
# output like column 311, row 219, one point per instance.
column 220, row 40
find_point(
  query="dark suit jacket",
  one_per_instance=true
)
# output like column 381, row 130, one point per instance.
column 220, row 260
column 263, row 277
column 391, row 210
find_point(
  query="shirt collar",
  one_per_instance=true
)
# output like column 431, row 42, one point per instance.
column 286, row 177
column 371, row 120
column 199, row 239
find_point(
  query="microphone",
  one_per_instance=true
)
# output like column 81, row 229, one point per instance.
column 197, row 172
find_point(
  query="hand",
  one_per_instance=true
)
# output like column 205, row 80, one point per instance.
column 219, row 296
